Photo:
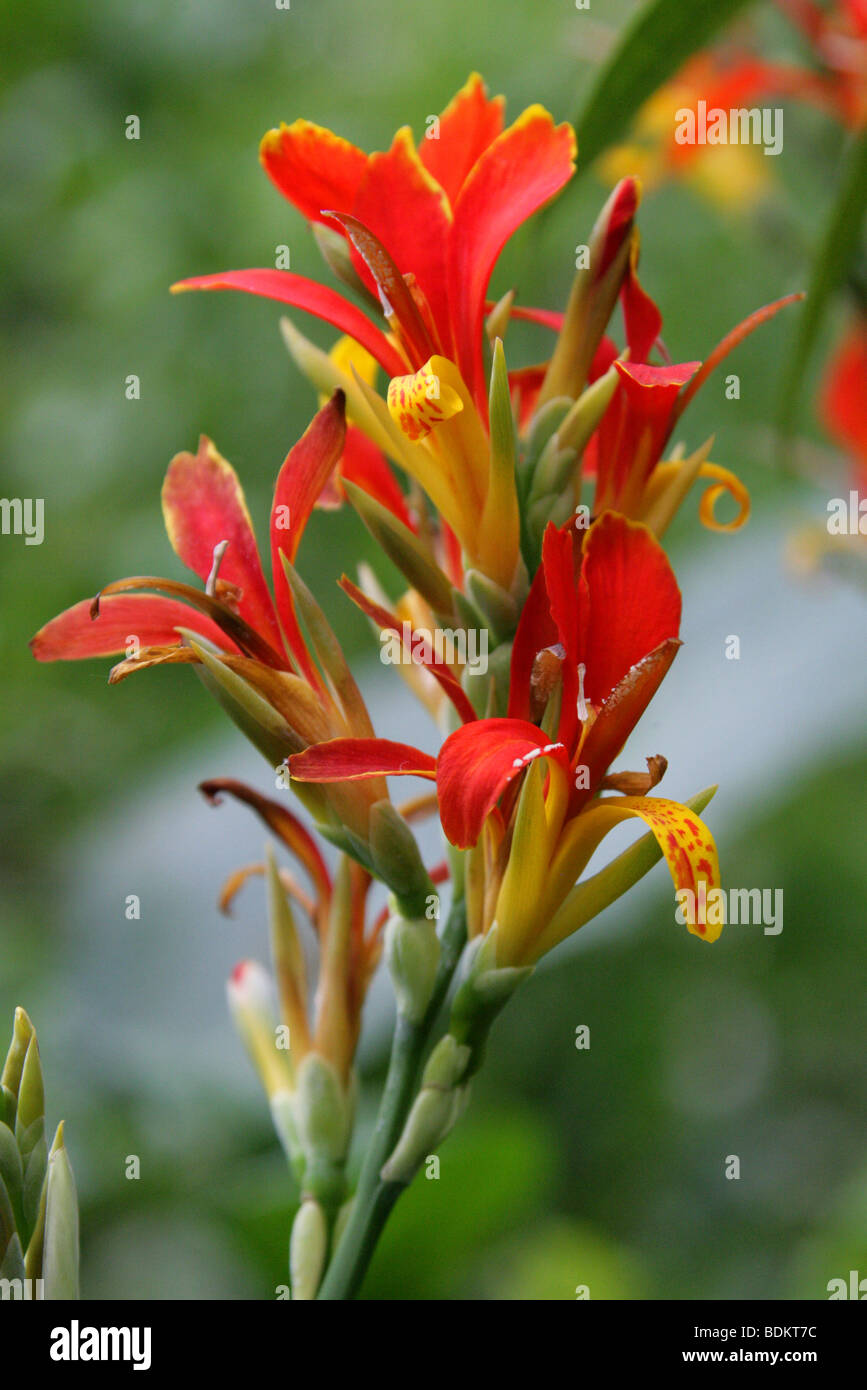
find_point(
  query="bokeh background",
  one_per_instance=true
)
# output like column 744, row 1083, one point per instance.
column 603, row 1167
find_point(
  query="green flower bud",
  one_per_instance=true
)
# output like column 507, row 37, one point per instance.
column 308, row 1246
column 322, row 1110
column 397, row 859
column 412, row 952
column 432, row 1116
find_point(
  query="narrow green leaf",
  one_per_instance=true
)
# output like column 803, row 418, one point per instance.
column 834, row 257
column 403, row 548
column 329, row 652
column 658, row 42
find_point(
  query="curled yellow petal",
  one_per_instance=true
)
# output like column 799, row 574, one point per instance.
column 726, row 482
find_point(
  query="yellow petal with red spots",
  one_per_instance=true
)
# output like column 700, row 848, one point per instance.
column 689, row 850
column 686, row 843
column 420, row 402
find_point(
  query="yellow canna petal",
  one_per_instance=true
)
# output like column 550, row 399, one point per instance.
column 349, row 356
column 537, row 828
column 435, row 416
column 686, row 843
column 670, row 482
column 419, row 402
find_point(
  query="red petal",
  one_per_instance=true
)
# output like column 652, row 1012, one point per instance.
column 378, row 268
column 635, row 427
column 619, row 714
column 634, row 601
column 521, row 171
column 438, row 669
column 312, row 167
column 203, row 504
column 536, row 629
column 151, row 619
column 470, row 123
column 477, row 763
column 306, row 470
column 404, row 208
column 548, row 318
column 641, row 318
column 301, row 293
column 354, row 759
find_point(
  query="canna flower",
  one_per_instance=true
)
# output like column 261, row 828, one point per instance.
column 522, row 792
column 416, row 233
column 283, row 691
column 417, row 230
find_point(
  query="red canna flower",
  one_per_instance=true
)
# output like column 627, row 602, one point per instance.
column 422, row 226
column 247, row 645
column 596, row 637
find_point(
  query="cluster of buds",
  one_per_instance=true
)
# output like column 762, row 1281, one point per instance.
column 303, row 1048
column 38, row 1203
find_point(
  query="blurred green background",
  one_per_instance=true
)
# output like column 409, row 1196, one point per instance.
column 602, row 1167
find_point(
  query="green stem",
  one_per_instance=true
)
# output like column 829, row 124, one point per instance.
column 375, row 1198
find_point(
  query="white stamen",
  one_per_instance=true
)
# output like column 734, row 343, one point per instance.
column 219, row 551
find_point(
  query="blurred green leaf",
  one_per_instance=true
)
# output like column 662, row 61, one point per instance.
column 661, row 38
column 834, row 257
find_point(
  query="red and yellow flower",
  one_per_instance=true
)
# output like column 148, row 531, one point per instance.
column 283, row 691
column 522, row 792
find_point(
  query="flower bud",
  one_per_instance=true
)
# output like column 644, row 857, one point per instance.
column 483, row 989
column 322, row 1109
column 60, row 1241
column 250, row 997
column 308, row 1246
column 433, row 1114
column 412, row 952
column 396, row 858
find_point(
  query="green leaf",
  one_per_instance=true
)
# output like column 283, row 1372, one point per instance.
column 403, row 548
column 652, row 49
column 834, row 257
